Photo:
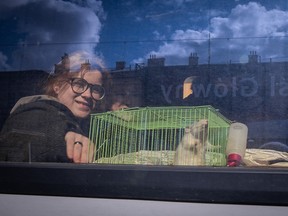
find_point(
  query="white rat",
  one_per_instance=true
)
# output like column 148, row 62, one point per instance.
column 192, row 147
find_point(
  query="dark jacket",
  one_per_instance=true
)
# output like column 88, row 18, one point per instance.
column 35, row 131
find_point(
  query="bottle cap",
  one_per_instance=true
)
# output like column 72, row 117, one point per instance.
column 233, row 160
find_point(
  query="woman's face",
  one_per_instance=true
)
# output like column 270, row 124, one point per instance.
column 81, row 105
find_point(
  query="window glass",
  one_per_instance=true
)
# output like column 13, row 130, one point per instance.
column 186, row 82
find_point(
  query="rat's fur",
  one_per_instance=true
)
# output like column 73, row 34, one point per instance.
column 192, row 147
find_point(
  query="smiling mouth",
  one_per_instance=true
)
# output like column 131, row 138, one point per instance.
column 84, row 104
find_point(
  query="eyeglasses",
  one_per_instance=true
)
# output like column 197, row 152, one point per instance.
column 80, row 85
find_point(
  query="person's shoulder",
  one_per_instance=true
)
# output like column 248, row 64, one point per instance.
column 30, row 100
column 40, row 104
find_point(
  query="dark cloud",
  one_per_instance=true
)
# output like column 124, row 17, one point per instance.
column 46, row 29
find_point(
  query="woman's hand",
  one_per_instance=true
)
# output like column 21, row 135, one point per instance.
column 78, row 147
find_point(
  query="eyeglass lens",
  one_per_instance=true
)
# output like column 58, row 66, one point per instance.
column 81, row 85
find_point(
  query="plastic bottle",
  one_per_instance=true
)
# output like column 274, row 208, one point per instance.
column 236, row 145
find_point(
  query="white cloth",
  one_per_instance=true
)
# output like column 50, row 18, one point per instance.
column 265, row 157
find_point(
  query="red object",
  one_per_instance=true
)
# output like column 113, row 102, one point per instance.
column 233, row 160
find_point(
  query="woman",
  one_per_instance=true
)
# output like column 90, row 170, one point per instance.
column 49, row 128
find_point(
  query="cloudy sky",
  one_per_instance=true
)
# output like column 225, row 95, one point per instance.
column 34, row 34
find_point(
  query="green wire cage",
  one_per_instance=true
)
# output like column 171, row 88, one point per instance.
column 151, row 135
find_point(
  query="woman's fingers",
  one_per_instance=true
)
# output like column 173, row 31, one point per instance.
column 69, row 138
column 77, row 147
column 91, row 151
column 84, row 151
column 77, row 151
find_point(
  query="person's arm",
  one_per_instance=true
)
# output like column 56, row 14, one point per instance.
column 36, row 132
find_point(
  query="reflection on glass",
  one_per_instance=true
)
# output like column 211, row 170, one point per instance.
column 230, row 55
